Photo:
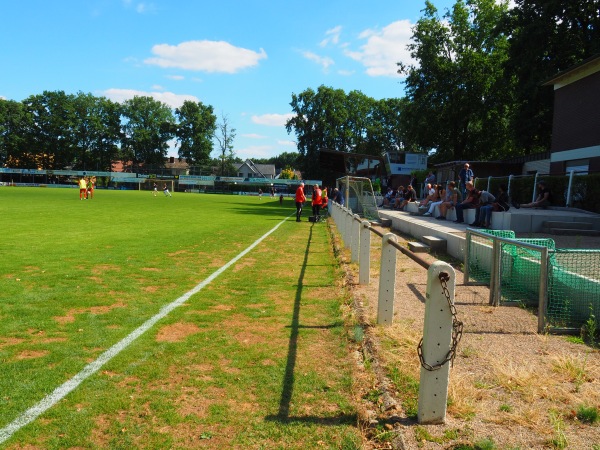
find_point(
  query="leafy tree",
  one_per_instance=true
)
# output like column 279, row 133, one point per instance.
column 455, row 91
column 225, row 136
column 49, row 141
column 97, row 131
column 195, row 130
column 148, row 127
column 288, row 174
column 12, row 120
column 547, row 37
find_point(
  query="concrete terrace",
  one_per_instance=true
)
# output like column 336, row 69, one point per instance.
column 518, row 220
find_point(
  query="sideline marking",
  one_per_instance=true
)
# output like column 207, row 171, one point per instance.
column 64, row 389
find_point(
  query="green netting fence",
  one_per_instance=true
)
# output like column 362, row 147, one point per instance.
column 573, row 287
column 480, row 249
column 520, row 271
column 565, row 284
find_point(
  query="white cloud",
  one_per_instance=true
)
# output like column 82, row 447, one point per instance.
column 176, row 77
column 384, row 48
column 141, row 7
column 171, row 99
column 287, row 143
column 332, row 36
column 323, row 61
column 254, row 136
column 255, row 151
column 205, row 56
column 272, row 120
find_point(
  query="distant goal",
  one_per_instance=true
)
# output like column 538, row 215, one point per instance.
column 359, row 195
column 148, row 185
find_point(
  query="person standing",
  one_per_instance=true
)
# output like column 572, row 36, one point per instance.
column 465, row 176
column 338, row 197
column 324, row 198
column 300, row 199
column 91, row 184
column 166, row 191
column 155, row 189
column 82, row 188
column 317, row 200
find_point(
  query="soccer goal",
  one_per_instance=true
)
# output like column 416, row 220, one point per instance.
column 359, row 195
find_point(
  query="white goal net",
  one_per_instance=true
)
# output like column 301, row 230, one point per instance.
column 359, row 195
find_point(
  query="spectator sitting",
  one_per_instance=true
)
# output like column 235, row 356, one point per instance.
column 431, row 195
column 500, row 205
column 409, row 196
column 443, row 195
column 543, row 200
column 455, row 196
column 485, row 198
column 470, row 202
column 388, row 197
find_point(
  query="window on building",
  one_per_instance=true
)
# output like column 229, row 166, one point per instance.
column 580, row 166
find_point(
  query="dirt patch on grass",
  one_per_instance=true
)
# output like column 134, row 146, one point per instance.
column 69, row 317
column 176, row 332
column 510, row 387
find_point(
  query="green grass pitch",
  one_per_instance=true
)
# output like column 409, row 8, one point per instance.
column 256, row 359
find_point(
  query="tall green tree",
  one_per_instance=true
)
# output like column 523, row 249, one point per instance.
column 97, row 131
column 49, row 140
column 195, row 132
column 320, row 121
column 12, row 122
column 547, row 37
column 225, row 137
column 148, row 126
column 455, row 90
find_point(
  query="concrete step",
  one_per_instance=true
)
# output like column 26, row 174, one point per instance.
column 418, row 247
column 435, row 243
column 568, row 225
column 571, row 232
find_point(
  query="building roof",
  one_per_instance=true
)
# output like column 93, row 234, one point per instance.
column 262, row 170
column 575, row 73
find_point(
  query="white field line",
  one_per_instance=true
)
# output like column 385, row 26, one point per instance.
column 64, row 389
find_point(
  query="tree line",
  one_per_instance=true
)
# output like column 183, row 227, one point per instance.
column 55, row 130
column 475, row 91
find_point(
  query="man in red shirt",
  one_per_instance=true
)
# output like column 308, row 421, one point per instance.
column 317, row 199
column 300, row 199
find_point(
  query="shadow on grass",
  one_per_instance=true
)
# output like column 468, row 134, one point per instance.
column 283, row 415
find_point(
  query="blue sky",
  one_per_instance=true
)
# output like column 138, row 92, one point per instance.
column 243, row 57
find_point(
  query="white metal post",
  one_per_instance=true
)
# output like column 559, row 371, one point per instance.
column 535, row 182
column 348, row 229
column 437, row 342
column 569, row 201
column 364, row 259
column 355, row 230
column 387, row 280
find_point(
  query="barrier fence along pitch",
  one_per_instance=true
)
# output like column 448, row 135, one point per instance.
column 441, row 329
column 496, row 269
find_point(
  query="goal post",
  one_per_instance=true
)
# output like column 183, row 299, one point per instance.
column 359, row 195
column 148, row 184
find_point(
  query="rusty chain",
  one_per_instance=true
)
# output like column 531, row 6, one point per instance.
column 457, row 329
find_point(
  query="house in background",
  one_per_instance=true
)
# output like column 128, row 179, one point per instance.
column 576, row 122
column 250, row 170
